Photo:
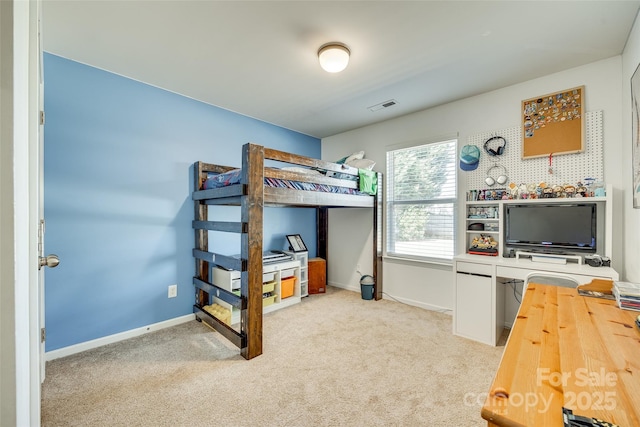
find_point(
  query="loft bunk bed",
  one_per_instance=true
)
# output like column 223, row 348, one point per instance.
column 308, row 183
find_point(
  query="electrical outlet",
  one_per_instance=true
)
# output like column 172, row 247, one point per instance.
column 173, row 291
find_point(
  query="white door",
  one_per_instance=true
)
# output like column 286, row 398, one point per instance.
column 38, row 177
column 36, row 188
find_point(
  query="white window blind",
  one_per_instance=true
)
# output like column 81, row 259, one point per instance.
column 421, row 201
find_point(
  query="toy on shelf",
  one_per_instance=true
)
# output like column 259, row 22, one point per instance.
column 541, row 190
column 484, row 242
column 484, row 245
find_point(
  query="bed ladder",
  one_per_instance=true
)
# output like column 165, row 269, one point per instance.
column 249, row 196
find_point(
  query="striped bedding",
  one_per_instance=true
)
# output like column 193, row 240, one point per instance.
column 233, row 177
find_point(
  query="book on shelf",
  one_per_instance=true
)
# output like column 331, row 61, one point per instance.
column 483, row 251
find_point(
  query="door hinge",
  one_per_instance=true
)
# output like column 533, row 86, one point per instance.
column 43, row 335
column 42, row 118
column 41, row 237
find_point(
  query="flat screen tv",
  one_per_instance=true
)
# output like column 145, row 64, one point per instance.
column 551, row 227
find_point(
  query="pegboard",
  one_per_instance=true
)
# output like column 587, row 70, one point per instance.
column 567, row 168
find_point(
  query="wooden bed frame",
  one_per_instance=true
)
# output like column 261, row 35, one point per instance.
column 252, row 196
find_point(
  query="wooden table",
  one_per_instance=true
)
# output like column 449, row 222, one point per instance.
column 567, row 350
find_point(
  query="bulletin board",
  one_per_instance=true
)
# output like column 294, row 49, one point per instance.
column 553, row 124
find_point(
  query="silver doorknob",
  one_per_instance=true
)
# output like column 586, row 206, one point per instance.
column 50, row 261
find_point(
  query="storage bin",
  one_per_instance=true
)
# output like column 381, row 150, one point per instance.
column 267, row 277
column 221, row 313
column 286, row 287
column 268, row 287
column 268, row 300
column 288, row 272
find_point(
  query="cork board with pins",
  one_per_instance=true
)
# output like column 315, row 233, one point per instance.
column 553, row 124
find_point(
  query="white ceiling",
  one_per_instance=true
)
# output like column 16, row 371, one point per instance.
column 259, row 58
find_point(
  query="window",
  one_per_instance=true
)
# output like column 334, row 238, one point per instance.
column 421, row 201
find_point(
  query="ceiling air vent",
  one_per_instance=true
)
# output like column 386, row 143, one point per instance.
column 385, row 104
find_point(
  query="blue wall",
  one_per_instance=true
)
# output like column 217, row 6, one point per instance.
column 118, row 168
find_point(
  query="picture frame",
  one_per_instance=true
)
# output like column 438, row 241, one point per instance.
column 296, row 243
column 553, row 124
column 635, row 136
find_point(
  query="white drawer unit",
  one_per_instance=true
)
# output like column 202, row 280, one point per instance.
column 303, row 257
column 272, row 276
column 474, row 268
column 230, row 279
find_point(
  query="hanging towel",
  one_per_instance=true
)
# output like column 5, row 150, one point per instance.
column 368, row 181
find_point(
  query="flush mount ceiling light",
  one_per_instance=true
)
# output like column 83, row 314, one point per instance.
column 333, row 57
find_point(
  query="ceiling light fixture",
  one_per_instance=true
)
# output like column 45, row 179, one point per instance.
column 333, row 57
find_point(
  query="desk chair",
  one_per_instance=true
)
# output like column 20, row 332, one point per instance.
column 547, row 278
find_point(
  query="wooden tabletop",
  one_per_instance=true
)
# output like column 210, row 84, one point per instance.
column 582, row 353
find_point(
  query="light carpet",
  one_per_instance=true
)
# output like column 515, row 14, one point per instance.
column 332, row 360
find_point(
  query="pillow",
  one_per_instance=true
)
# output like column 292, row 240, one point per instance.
column 342, row 160
column 222, row 179
column 355, row 156
column 367, row 164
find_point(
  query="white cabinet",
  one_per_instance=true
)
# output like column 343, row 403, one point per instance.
column 478, row 309
column 473, row 307
column 303, row 257
column 277, row 283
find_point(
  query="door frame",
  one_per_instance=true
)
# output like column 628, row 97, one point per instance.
column 20, row 379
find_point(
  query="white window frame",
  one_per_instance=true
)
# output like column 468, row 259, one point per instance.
column 390, row 202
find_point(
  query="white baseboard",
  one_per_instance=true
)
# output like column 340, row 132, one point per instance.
column 423, row 305
column 399, row 299
column 342, row 286
column 88, row 345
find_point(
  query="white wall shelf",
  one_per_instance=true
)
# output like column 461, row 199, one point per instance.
column 605, row 208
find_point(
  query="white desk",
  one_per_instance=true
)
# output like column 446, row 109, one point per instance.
column 478, row 298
